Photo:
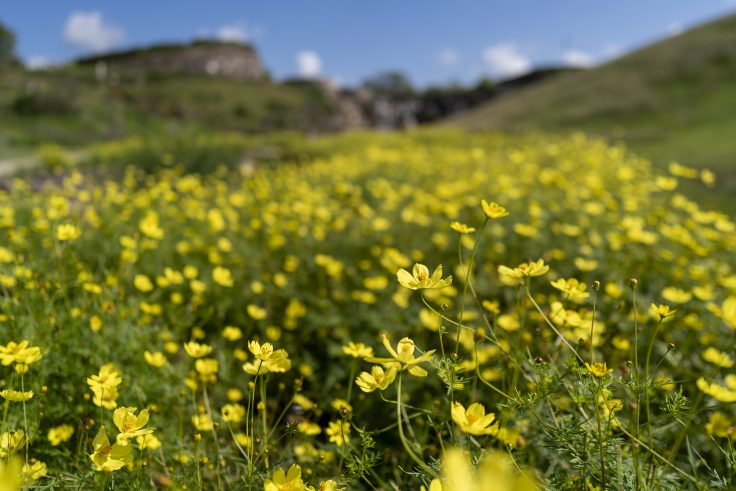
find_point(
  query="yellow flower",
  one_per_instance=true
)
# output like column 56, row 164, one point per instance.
column 95, row 323
column 404, row 357
column 339, row 432
column 420, row 279
column 599, row 369
column 377, row 379
column 156, row 359
column 19, row 353
column 222, row 276
column 267, row 359
column 309, row 428
column 461, row 228
column 493, row 209
column 720, row 426
column 286, row 481
column 573, row 288
column 143, row 283
column 196, row 350
column 474, row 420
column 712, row 355
column 11, row 441
column 232, row 413
column 357, row 350
column 11, row 474
column 517, row 276
column 148, row 441
column 34, row 471
column 109, row 458
column 662, row 311
column 206, row 367
column 104, row 386
column 60, row 434
column 256, row 312
column 66, row 231
column 149, row 226
column 495, row 472
column 16, row 395
column 130, row 425
column 202, row 422
column 232, row 333
column 718, row 392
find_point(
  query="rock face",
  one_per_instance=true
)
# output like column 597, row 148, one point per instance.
column 232, row 60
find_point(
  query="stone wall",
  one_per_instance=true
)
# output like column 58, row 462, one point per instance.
column 232, row 60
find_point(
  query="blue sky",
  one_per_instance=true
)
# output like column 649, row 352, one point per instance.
column 431, row 41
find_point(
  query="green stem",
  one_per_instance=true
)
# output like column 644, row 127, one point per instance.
column 404, row 442
column 467, row 280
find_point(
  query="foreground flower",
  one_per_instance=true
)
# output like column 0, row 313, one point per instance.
column 286, row 481
column 16, row 395
column 496, row 472
column 598, row 370
column 130, row 425
column 473, row 420
column 419, row 278
column 493, row 210
column 377, row 379
column 517, row 275
column 11, row 474
column 403, row 356
column 106, row 457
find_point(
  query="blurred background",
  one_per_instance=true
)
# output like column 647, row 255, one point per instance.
column 79, row 80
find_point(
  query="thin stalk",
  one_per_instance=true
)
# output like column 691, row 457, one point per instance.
column 423, row 465
column 467, row 280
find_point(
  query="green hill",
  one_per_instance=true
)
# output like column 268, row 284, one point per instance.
column 71, row 106
column 672, row 100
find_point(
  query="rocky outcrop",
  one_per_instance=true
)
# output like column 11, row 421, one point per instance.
column 234, row 60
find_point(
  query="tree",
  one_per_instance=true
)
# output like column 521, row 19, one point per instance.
column 7, row 45
column 393, row 84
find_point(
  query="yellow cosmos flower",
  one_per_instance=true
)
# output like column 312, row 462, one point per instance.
column 11, row 474
column 66, row 231
column 16, row 395
column 286, row 481
column 712, row 355
column 11, row 441
column 461, row 228
column 377, row 379
column 719, row 392
column 573, row 288
column 196, row 350
column 232, row 413
column 206, row 368
column 599, row 369
column 143, row 283
column 473, row 420
column 357, row 350
column 19, row 353
column 338, row 432
column 129, row 424
column 60, row 434
column 148, row 441
column 222, row 276
column 109, row 458
column 495, row 472
column 517, row 275
column 155, row 359
column 419, row 278
column 202, row 422
column 34, row 471
column 309, row 428
column 267, row 359
column 662, row 311
column 719, row 425
column 232, row 333
column 403, row 356
column 493, row 210
column 256, row 312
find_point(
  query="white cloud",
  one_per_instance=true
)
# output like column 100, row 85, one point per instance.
column 675, row 29
column 448, row 57
column 505, row 60
column 579, row 59
column 89, row 30
column 309, row 64
column 38, row 62
column 233, row 33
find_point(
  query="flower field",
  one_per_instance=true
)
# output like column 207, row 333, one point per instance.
column 290, row 327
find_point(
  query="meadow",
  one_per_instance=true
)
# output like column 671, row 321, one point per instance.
column 429, row 310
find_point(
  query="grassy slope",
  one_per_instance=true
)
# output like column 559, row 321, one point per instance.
column 70, row 107
column 672, row 100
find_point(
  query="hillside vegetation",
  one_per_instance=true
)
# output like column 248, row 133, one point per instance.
column 672, row 100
